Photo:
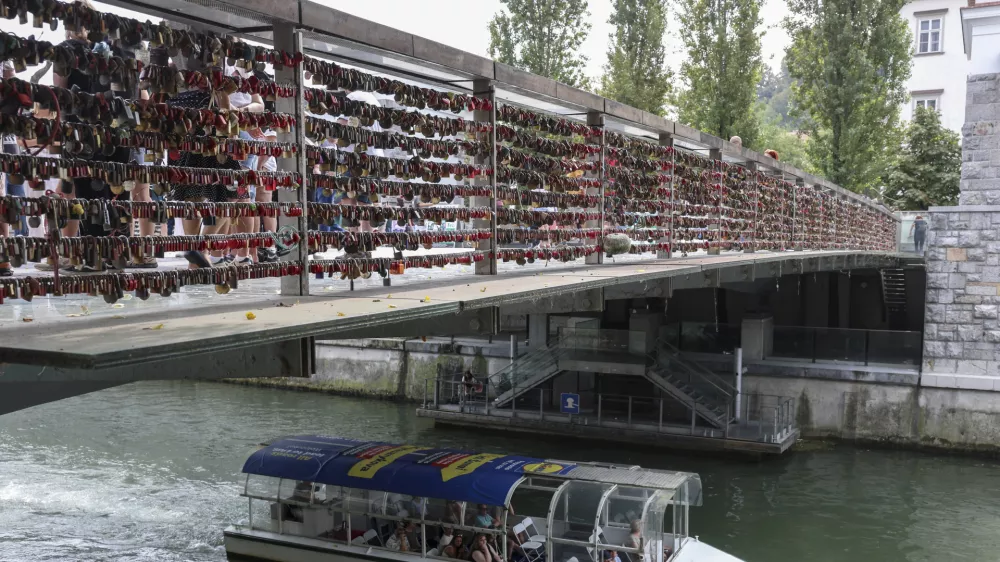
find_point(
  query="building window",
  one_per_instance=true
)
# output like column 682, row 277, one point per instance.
column 929, row 38
column 928, row 102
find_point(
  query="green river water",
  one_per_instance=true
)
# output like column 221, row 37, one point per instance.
column 149, row 471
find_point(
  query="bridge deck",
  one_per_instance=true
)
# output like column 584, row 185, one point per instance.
column 83, row 332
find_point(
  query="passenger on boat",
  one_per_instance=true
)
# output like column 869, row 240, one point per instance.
column 398, row 541
column 411, row 534
column 484, row 519
column 457, row 549
column 611, row 556
column 454, row 515
column 483, row 551
column 634, row 539
column 447, row 534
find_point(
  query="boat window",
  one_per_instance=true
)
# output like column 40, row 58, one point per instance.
column 574, row 522
column 263, row 487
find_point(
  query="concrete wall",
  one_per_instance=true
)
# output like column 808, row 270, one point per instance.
column 397, row 368
column 908, row 415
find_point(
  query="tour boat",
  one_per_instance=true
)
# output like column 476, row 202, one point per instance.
column 329, row 499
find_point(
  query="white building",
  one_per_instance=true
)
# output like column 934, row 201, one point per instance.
column 940, row 64
column 981, row 33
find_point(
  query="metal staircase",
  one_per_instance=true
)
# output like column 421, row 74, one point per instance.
column 697, row 387
column 526, row 372
column 894, row 290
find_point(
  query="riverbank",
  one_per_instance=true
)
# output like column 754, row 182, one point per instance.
column 868, row 409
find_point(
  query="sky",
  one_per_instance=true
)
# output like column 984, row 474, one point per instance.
column 463, row 24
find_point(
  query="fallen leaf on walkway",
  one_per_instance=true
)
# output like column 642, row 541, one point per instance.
column 376, row 300
column 389, row 296
column 127, row 297
column 27, row 319
column 117, row 317
column 341, row 314
column 118, row 305
column 284, row 305
column 640, row 271
column 425, row 299
column 85, row 310
column 156, row 327
column 483, row 290
column 391, row 306
column 251, row 316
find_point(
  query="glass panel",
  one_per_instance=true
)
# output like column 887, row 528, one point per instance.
column 834, row 344
column 262, row 486
column 932, row 104
column 935, row 24
column 925, row 25
column 792, row 341
column 709, row 337
column 894, row 348
column 576, row 510
column 653, row 543
column 935, row 41
column 923, row 43
column 263, row 515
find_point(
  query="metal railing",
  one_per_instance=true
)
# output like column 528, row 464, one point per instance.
column 772, row 417
column 865, row 347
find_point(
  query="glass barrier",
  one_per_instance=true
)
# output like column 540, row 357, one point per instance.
column 895, row 348
column 708, row 337
column 833, row 344
column 868, row 347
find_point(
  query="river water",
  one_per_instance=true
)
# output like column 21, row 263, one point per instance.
column 149, row 472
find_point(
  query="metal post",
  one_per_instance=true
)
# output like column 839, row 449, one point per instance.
column 595, row 120
column 666, row 139
column 693, row 416
column 868, row 334
column 513, row 394
column 486, row 395
column 796, row 245
column 630, row 411
column 437, row 392
column 661, row 414
column 541, row 403
column 752, row 166
column 598, row 410
column 487, row 88
column 739, row 380
column 288, row 38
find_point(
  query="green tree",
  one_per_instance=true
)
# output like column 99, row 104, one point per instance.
column 929, row 165
column 849, row 61
column 723, row 67
column 790, row 145
column 775, row 91
column 635, row 73
column 543, row 37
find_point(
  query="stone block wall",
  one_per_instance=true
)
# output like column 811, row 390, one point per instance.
column 962, row 324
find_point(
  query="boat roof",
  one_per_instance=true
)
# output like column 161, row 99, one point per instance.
column 432, row 472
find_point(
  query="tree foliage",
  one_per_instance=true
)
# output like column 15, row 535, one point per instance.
column 723, row 67
column 635, row 73
column 775, row 92
column 790, row 145
column 849, row 61
column 543, row 37
column 929, row 167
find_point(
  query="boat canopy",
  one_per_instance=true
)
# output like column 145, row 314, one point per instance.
column 413, row 470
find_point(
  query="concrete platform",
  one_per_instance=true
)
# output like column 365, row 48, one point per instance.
column 84, row 332
column 653, row 435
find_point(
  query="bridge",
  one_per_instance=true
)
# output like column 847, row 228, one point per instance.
column 486, row 194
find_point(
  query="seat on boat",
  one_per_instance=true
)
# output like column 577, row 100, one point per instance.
column 532, row 550
column 533, row 534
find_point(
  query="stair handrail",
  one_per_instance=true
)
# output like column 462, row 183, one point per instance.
column 693, row 367
column 543, row 354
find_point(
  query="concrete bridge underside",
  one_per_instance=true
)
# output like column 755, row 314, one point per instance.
column 52, row 358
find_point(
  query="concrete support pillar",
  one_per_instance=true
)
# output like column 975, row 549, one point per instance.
column 644, row 329
column 757, row 336
column 538, row 330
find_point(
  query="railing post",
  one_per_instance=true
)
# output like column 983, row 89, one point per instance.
column 666, row 139
column 693, row 417
column 513, row 396
column 661, row 415
column 598, row 410
column 595, row 119
column 541, row 404
column 715, row 155
column 752, row 167
column 486, row 88
column 630, row 411
column 486, row 395
column 739, row 380
column 437, row 392
column 287, row 38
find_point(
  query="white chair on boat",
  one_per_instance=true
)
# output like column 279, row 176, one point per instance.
column 533, row 534
column 572, row 559
column 532, row 550
column 432, row 552
column 369, row 535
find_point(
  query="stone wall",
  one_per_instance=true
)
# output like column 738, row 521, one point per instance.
column 962, row 329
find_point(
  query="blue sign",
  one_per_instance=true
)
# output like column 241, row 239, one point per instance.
column 569, row 403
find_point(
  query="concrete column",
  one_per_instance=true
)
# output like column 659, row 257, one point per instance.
column 757, row 336
column 643, row 328
column 538, row 330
